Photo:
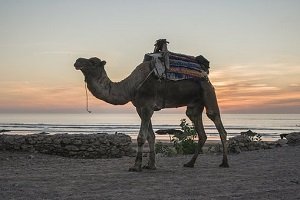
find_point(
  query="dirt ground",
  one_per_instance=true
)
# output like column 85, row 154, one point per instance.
column 264, row 174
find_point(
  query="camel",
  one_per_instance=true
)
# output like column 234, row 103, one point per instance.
column 148, row 94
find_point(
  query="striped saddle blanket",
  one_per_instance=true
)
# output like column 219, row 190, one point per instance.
column 179, row 66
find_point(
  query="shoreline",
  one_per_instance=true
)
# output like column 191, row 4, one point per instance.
column 268, row 125
column 212, row 137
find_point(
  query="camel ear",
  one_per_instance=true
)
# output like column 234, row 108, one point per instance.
column 103, row 62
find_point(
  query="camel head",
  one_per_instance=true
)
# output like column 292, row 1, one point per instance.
column 89, row 66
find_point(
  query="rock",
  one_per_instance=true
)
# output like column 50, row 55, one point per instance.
column 243, row 142
column 241, row 139
column 251, row 148
column 31, row 140
column 283, row 135
column 237, row 149
column 76, row 145
column 9, row 139
column 4, row 130
column 249, row 133
column 293, row 138
column 57, row 141
column 27, row 147
column 215, row 148
column 168, row 131
column 281, row 143
column 91, row 149
column 44, row 133
column 77, row 142
column 66, row 141
column 71, row 148
column 267, row 145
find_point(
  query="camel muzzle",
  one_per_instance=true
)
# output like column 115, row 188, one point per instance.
column 80, row 63
column 78, row 66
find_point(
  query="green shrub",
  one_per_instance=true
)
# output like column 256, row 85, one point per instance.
column 184, row 142
column 165, row 149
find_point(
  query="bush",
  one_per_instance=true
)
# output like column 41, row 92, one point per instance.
column 164, row 149
column 184, row 142
column 253, row 136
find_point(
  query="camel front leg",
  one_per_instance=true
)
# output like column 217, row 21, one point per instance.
column 151, row 142
column 145, row 115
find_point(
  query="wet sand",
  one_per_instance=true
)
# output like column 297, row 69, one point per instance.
column 263, row 174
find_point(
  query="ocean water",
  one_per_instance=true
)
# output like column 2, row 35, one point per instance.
column 268, row 125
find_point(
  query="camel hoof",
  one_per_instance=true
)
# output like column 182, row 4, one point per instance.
column 135, row 169
column 224, row 165
column 188, row 165
column 149, row 167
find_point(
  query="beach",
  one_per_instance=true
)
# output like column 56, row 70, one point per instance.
column 262, row 174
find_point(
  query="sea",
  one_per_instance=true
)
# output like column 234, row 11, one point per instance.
column 269, row 126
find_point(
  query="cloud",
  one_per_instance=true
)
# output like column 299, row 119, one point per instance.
column 239, row 88
column 36, row 97
column 294, row 85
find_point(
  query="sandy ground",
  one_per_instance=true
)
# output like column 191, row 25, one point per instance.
column 264, row 174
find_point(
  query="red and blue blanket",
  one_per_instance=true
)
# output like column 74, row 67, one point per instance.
column 184, row 67
column 180, row 66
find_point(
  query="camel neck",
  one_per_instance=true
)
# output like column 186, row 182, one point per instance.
column 118, row 93
column 111, row 92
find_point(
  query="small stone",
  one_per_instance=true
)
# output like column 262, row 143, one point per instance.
column 77, row 142
column 281, row 143
column 90, row 149
column 71, row 148
column 237, row 149
column 293, row 138
column 66, row 141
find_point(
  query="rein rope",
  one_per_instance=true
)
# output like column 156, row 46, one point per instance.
column 142, row 83
column 87, row 98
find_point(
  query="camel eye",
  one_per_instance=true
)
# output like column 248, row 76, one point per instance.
column 94, row 61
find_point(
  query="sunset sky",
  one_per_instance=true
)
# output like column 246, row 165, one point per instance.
column 253, row 47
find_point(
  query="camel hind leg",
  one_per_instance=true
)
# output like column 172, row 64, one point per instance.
column 215, row 117
column 195, row 115
column 213, row 113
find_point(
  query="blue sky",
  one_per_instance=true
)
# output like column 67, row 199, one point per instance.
column 253, row 46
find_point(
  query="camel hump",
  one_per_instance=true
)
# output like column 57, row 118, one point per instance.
column 161, row 47
column 176, row 66
column 179, row 67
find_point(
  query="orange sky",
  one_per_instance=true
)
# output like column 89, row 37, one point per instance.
column 255, row 59
column 237, row 93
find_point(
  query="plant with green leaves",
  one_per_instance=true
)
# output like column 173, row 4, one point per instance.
column 253, row 136
column 184, row 142
column 165, row 149
column 258, row 137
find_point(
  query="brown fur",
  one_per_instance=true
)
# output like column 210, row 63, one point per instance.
column 149, row 94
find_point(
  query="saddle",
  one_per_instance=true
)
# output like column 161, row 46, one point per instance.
column 175, row 66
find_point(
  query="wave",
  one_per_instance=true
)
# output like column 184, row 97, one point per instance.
column 269, row 126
